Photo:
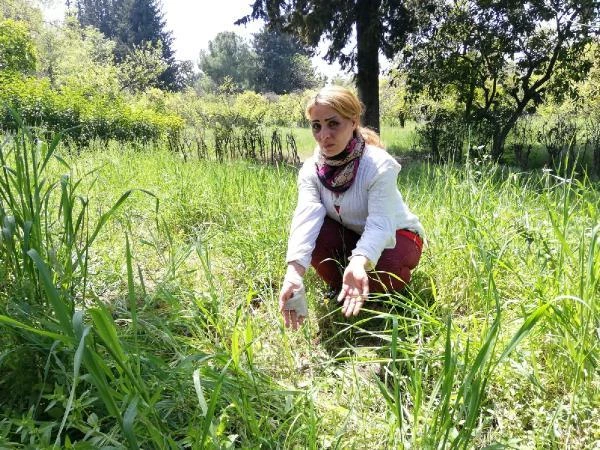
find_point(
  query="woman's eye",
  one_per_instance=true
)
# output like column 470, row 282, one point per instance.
column 316, row 127
column 333, row 124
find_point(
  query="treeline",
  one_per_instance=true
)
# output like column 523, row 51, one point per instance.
column 476, row 67
column 92, row 75
column 478, row 79
column 67, row 81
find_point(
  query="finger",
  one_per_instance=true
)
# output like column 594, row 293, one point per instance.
column 357, row 306
column 343, row 292
column 283, row 298
column 348, row 306
column 365, row 288
column 350, row 309
column 294, row 320
column 345, row 304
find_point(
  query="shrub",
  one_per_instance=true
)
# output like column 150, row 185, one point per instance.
column 79, row 115
column 17, row 52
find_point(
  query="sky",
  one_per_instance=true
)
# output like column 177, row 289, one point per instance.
column 196, row 22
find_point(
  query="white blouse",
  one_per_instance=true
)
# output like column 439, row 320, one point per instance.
column 372, row 207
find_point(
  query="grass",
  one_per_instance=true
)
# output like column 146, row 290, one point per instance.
column 397, row 140
column 130, row 326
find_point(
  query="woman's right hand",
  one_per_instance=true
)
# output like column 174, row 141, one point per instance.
column 292, row 283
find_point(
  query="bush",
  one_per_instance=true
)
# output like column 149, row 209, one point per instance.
column 79, row 115
column 442, row 134
column 17, row 52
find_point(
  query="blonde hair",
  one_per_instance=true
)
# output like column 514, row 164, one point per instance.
column 345, row 103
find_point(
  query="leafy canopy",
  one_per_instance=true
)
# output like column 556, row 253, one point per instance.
column 499, row 58
column 17, row 51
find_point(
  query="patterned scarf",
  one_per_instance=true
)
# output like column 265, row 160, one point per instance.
column 337, row 173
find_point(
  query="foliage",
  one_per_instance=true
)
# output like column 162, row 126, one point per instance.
column 380, row 25
column 17, row 51
column 283, row 64
column 22, row 11
column 79, row 115
column 133, row 25
column 83, row 57
column 97, row 384
column 247, row 108
column 80, row 58
column 273, row 62
column 493, row 346
column 229, row 57
column 499, row 58
column 142, row 66
column 395, row 107
column 288, row 109
column 443, row 134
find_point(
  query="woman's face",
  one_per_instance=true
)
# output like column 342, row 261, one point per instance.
column 331, row 130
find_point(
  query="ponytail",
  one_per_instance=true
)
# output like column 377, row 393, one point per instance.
column 370, row 136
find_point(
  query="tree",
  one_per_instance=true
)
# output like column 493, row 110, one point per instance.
column 23, row 11
column 394, row 104
column 146, row 24
column 17, row 52
column 229, row 57
column 499, row 58
column 380, row 25
column 79, row 58
column 283, row 63
column 133, row 24
column 142, row 67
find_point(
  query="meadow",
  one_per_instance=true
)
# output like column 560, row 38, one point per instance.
column 138, row 309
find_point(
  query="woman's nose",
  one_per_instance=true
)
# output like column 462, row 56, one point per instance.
column 323, row 133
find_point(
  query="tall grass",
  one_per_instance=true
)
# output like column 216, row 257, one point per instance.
column 169, row 336
column 97, row 384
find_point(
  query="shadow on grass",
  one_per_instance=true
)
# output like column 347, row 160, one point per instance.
column 411, row 312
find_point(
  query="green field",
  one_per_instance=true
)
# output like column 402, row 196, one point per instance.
column 397, row 140
column 163, row 332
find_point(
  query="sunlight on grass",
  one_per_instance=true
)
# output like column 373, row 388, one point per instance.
column 164, row 331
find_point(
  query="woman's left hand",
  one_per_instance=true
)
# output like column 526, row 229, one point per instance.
column 355, row 286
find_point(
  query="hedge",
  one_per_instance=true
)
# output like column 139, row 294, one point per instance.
column 79, row 115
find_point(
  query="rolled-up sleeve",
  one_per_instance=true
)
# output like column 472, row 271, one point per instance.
column 380, row 226
column 307, row 219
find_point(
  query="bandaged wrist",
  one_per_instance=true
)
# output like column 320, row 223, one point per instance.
column 298, row 303
column 293, row 277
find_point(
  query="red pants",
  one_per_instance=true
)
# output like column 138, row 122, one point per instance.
column 335, row 244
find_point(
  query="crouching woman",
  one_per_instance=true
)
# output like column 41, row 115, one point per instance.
column 349, row 210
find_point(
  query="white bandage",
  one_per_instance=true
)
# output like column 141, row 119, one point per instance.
column 297, row 303
column 293, row 277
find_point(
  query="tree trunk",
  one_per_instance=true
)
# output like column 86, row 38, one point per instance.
column 367, row 59
column 504, row 130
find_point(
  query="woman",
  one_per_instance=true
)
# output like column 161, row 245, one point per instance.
column 349, row 209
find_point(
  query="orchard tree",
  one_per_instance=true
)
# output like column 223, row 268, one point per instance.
column 229, row 57
column 379, row 26
column 146, row 24
column 283, row 63
column 142, row 67
column 499, row 58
